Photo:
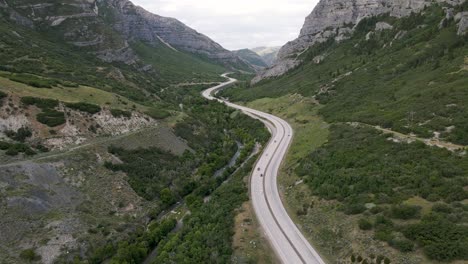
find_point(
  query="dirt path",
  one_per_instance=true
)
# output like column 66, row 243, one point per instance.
column 398, row 137
column 73, row 149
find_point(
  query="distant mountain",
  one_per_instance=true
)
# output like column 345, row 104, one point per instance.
column 269, row 54
column 252, row 58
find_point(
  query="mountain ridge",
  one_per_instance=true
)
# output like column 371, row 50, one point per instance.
column 337, row 19
column 107, row 27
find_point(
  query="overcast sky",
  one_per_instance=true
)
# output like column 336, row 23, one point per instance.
column 237, row 24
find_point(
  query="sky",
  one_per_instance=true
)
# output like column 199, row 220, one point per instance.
column 238, row 24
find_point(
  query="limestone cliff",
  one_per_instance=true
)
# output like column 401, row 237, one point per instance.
column 336, row 19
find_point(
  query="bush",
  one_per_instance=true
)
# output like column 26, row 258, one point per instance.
column 352, row 209
column 403, row 245
column 4, row 145
column 120, row 113
column 40, row 102
column 21, row 135
column 158, row 113
column 29, row 255
column 84, row 107
column 405, row 212
column 51, row 118
column 364, row 224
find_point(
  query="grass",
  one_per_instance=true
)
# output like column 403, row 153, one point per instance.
column 177, row 66
column 250, row 245
column 310, row 131
column 84, row 94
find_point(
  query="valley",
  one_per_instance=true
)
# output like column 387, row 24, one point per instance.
column 122, row 141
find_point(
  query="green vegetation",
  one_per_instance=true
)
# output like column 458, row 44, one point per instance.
column 177, row 66
column 158, row 113
column 360, row 166
column 135, row 249
column 21, row 135
column 40, row 102
column 44, row 59
column 411, row 79
column 13, row 149
column 207, row 232
column 29, row 255
column 84, row 107
column 413, row 84
column 2, row 96
column 36, row 81
column 51, row 118
column 212, row 130
column 118, row 113
column 48, row 115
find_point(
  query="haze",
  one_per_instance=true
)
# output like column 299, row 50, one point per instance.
column 238, row 24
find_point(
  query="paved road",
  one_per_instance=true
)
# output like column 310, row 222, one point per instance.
column 286, row 239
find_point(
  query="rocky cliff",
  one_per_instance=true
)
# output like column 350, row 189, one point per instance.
column 107, row 27
column 336, row 19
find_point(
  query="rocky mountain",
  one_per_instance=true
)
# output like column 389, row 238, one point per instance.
column 251, row 57
column 269, row 54
column 108, row 27
column 337, row 19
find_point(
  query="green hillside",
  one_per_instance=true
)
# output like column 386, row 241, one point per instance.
column 372, row 191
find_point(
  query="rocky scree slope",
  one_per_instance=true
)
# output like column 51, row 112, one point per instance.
column 108, row 27
column 337, row 19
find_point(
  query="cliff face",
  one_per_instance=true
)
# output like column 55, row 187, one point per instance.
column 106, row 27
column 336, row 19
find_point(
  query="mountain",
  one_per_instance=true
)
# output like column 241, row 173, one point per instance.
column 108, row 28
column 269, row 54
column 104, row 133
column 337, row 19
column 378, row 169
column 252, row 58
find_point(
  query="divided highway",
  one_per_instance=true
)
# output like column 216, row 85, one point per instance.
column 286, row 239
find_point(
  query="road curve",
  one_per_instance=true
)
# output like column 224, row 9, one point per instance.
column 287, row 241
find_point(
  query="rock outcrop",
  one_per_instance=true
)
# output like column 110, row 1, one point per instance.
column 336, row 19
column 462, row 20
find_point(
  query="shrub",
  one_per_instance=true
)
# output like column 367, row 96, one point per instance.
column 33, row 80
column 21, row 135
column 51, row 118
column 2, row 95
column 352, row 209
column 365, row 224
column 84, row 107
column 405, row 211
column 12, row 152
column 120, row 113
column 4, row 145
column 158, row 113
column 403, row 245
column 29, row 255
column 40, row 102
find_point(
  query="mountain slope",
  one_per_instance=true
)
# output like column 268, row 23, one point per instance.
column 269, row 54
column 337, row 19
column 372, row 175
column 251, row 57
column 107, row 27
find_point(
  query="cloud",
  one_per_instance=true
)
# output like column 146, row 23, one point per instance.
column 240, row 23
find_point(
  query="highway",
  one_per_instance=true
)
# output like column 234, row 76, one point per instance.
column 286, row 240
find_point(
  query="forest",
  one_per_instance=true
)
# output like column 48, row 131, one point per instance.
column 212, row 130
